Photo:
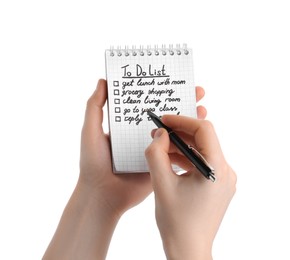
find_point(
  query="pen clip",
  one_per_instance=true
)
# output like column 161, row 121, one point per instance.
column 201, row 157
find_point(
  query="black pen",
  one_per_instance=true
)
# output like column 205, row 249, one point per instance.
column 192, row 154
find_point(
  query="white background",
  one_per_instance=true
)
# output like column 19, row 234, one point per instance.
column 51, row 56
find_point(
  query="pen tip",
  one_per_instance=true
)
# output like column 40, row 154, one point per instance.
column 149, row 113
column 212, row 177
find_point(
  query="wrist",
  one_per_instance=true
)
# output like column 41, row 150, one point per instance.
column 192, row 254
column 85, row 218
column 187, row 248
column 100, row 199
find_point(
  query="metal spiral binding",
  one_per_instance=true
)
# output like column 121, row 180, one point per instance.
column 163, row 50
column 156, row 51
column 141, row 51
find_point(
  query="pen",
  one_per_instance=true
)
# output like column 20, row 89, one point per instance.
column 192, row 154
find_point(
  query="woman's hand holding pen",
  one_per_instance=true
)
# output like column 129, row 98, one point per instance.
column 189, row 208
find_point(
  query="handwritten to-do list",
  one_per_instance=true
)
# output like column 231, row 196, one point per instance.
column 160, row 80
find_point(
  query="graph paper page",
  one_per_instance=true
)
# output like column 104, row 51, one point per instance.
column 162, row 81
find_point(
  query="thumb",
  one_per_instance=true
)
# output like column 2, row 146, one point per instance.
column 158, row 160
column 94, row 112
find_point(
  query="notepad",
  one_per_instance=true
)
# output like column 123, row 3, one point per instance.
column 159, row 79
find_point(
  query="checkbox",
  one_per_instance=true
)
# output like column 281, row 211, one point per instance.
column 117, row 110
column 116, row 92
column 116, row 83
column 117, row 119
column 117, row 101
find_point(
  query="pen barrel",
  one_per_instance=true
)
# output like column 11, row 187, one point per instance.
column 193, row 158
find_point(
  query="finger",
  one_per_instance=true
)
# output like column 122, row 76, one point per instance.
column 94, row 112
column 178, row 158
column 185, row 124
column 181, row 161
column 201, row 112
column 186, row 138
column 158, row 160
column 202, row 131
column 199, row 92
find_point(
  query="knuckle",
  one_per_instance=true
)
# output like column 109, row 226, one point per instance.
column 234, row 179
column 208, row 125
column 151, row 150
column 229, row 178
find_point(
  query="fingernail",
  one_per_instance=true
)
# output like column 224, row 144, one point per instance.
column 158, row 133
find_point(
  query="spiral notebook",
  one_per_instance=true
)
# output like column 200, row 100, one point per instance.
column 159, row 79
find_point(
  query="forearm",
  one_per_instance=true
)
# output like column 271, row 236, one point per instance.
column 85, row 228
